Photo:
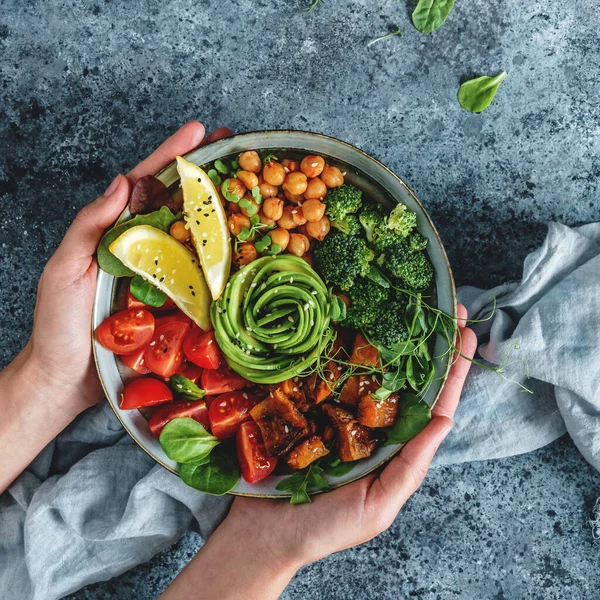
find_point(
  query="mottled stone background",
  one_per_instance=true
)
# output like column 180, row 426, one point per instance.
column 89, row 88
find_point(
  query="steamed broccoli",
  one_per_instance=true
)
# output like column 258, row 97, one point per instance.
column 417, row 241
column 348, row 224
column 342, row 201
column 341, row 258
column 366, row 299
column 401, row 220
column 390, row 327
column 401, row 261
column 373, row 219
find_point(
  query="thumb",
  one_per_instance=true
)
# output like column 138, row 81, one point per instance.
column 82, row 237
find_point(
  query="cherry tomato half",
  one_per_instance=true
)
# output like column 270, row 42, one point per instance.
column 194, row 409
column 252, row 454
column 126, row 331
column 191, row 371
column 222, row 380
column 133, row 302
column 201, row 348
column 136, row 361
column 144, row 391
column 228, row 412
column 163, row 355
column 174, row 316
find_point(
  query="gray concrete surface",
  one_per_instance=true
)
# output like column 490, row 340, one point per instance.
column 89, row 88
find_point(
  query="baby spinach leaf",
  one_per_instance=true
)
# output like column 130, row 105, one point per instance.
column 413, row 416
column 145, row 292
column 216, row 474
column 298, row 483
column 161, row 219
column 334, row 467
column 477, row 94
column 149, row 194
column 338, row 309
column 430, row 15
column 186, row 441
column 185, row 387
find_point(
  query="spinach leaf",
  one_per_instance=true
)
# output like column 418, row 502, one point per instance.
column 477, row 94
column 185, row 387
column 376, row 276
column 145, row 292
column 298, row 483
column 338, row 309
column 216, row 474
column 413, row 415
column 161, row 219
column 334, row 467
column 149, row 194
column 430, row 15
column 186, row 441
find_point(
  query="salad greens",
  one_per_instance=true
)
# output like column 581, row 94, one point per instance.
column 477, row 94
column 413, row 415
column 298, row 483
column 185, row 387
column 216, row 474
column 186, row 440
column 147, row 293
column 430, row 15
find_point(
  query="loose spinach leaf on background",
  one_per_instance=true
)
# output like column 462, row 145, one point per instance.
column 430, row 15
column 413, row 416
column 298, row 483
column 216, row 474
column 149, row 194
column 145, row 292
column 477, row 94
column 334, row 467
column 161, row 219
column 186, row 441
column 185, row 387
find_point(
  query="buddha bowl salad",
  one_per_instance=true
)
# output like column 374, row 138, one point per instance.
column 277, row 319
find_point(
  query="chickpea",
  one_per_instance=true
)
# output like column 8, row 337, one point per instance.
column 296, row 199
column 287, row 219
column 318, row 229
column 245, row 254
column 301, row 229
column 290, row 165
column 249, row 212
column 308, row 257
column 295, row 183
column 267, row 190
column 265, row 220
column 298, row 216
column 236, row 187
column 332, row 177
column 248, row 178
column 313, row 210
column 315, row 189
column 273, row 173
column 312, row 166
column 237, row 222
column 273, row 208
column 250, row 161
column 298, row 244
column 179, row 231
column 280, row 236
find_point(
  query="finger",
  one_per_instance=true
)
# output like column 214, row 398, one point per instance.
column 182, row 141
column 217, row 134
column 84, row 234
column 405, row 473
column 461, row 315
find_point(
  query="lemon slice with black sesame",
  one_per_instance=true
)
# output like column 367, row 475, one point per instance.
column 205, row 218
column 168, row 265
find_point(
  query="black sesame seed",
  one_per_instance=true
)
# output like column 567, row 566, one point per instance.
column 193, row 293
column 191, row 287
column 156, row 261
column 162, row 279
column 197, row 222
column 206, row 214
column 154, row 275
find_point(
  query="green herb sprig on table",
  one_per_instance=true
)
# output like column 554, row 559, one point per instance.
column 394, row 33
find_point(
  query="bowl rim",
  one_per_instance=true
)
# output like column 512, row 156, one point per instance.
column 352, row 147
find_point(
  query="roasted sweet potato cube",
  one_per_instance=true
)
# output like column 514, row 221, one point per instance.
column 363, row 353
column 354, row 440
column 327, row 434
column 306, row 452
column 326, row 386
column 280, row 422
column 293, row 389
column 377, row 413
column 356, row 386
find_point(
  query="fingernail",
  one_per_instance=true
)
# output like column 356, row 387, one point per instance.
column 112, row 187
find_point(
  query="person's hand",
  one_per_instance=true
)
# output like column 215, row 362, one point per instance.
column 261, row 543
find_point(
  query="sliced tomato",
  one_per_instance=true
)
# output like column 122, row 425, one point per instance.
column 164, row 355
column 145, row 391
column 126, row 331
column 191, row 371
column 194, row 409
column 222, row 380
column 177, row 316
column 201, row 348
column 133, row 302
column 228, row 411
column 136, row 361
column 252, row 454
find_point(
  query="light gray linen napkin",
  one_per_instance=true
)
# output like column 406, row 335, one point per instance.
column 93, row 505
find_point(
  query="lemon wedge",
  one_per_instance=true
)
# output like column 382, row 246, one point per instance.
column 206, row 220
column 169, row 265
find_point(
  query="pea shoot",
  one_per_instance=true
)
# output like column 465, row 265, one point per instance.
column 386, row 36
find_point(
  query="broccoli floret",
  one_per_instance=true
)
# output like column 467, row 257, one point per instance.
column 341, row 258
column 366, row 298
column 373, row 219
column 401, row 220
column 342, row 201
column 349, row 224
column 417, row 241
column 414, row 268
column 390, row 327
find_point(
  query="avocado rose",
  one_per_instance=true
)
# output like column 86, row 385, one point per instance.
column 272, row 320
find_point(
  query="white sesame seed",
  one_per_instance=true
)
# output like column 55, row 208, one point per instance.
column 245, row 395
column 179, row 386
column 306, row 306
column 158, row 270
column 153, row 343
column 290, row 319
column 314, row 292
column 291, row 280
column 286, row 428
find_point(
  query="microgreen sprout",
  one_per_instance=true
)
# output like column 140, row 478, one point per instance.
column 214, row 177
column 257, row 195
column 230, row 195
column 386, row 36
column 314, row 4
column 221, row 167
column 263, row 243
column 269, row 158
column 248, row 206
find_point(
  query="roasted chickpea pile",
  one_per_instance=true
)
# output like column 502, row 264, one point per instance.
column 288, row 197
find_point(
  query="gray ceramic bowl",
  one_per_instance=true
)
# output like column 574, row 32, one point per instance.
column 361, row 170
